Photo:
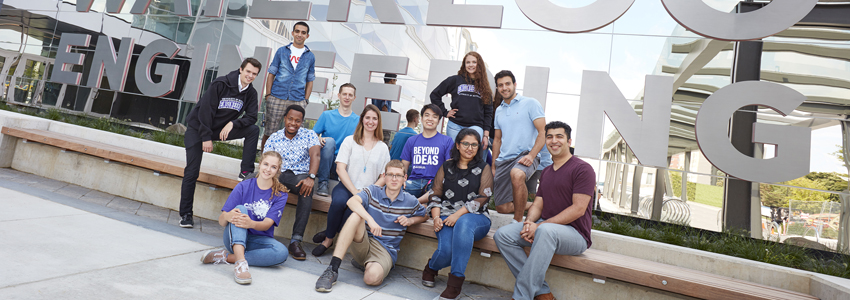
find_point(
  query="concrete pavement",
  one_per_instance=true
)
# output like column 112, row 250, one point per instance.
column 68, row 242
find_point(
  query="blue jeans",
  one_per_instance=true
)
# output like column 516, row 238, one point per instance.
column 530, row 271
column 338, row 212
column 261, row 251
column 454, row 244
column 453, row 129
column 326, row 163
column 417, row 187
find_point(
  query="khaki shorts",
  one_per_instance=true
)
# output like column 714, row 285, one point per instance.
column 371, row 250
column 275, row 107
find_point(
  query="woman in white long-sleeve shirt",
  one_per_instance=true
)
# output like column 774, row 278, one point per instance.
column 360, row 163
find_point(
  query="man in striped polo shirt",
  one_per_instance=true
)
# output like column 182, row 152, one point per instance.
column 374, row 231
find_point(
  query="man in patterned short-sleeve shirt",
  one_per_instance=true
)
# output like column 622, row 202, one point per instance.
column 300, row 150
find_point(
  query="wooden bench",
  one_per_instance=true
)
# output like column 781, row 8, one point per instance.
column 599, row 264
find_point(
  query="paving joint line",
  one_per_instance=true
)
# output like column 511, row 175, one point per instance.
column 104, row 268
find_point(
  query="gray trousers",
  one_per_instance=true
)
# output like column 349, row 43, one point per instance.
column 530, row 271
column 305, row 204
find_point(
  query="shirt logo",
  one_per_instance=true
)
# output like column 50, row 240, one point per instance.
column 428, row 156
column 294, row 59
column 259, row 208
column 466, row 88
column 230, row 103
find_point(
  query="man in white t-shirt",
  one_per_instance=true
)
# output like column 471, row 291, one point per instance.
column 290, row 79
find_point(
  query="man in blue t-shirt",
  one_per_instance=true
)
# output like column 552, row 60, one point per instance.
column 334, row 126
column 405, row 133
column 424, row 153
column 386, row 105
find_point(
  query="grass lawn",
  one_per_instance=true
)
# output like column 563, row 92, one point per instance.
column 709, row 195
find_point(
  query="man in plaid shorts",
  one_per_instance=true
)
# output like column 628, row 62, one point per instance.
column 290, row 79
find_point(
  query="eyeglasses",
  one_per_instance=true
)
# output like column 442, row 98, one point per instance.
column 395, row 176
column 469, row 145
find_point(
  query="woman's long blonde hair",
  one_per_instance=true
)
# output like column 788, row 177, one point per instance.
column 379, row 131
column 277, row 187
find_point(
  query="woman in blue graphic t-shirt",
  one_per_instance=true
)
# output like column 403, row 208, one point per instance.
column 249, row 216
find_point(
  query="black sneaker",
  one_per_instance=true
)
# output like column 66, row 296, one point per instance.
column 245, row 175
column 327, row 280
column 186, row 221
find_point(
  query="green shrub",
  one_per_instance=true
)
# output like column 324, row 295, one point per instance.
column 732, row 243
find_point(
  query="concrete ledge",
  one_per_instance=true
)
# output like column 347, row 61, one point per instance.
column 143, row 185
column 12, row 119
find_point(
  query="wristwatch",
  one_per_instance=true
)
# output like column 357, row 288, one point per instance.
column 312, row 176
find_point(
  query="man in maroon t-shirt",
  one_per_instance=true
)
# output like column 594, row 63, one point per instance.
column 558, row 221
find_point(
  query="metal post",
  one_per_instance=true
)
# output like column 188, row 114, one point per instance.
column 844, row 217
column 686, row 168
column 658, row 196
column 636, row 179
column 627, row 158
column 616, row 189
column 610, row 169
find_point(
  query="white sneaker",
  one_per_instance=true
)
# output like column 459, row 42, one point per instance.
column 214, row 257
column 240, row 272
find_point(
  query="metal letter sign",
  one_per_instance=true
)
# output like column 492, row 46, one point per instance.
column 698, row 17
column 115, row 66
column 64, row 58
column 574, row 20
column 280, row 10
column 647, row 138
column 361, row 72
column 793, row 150
column 168, row 71
column 387, row 11
column 337, row 10
column 446, row 13
column 192, row 89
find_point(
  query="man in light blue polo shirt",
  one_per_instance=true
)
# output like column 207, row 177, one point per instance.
column 519, row 137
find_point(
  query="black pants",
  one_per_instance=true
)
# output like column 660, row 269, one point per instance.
column 194, row 153
column 305, row 203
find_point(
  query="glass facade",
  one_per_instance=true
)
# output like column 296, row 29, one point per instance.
column 813, row 59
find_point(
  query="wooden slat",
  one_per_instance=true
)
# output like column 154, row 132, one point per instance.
column 679, row 280
column 611, row 265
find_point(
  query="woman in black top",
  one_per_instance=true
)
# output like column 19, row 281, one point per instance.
column 472, row 99
column 461, row 190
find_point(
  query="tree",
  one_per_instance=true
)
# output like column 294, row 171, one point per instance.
column 831, row 181
column 778, row 196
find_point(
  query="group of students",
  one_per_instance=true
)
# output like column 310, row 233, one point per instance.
column 447, row 177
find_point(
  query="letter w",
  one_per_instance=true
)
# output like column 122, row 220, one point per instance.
column 647, row 137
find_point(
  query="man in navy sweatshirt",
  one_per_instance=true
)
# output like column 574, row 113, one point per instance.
column 216, row 118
